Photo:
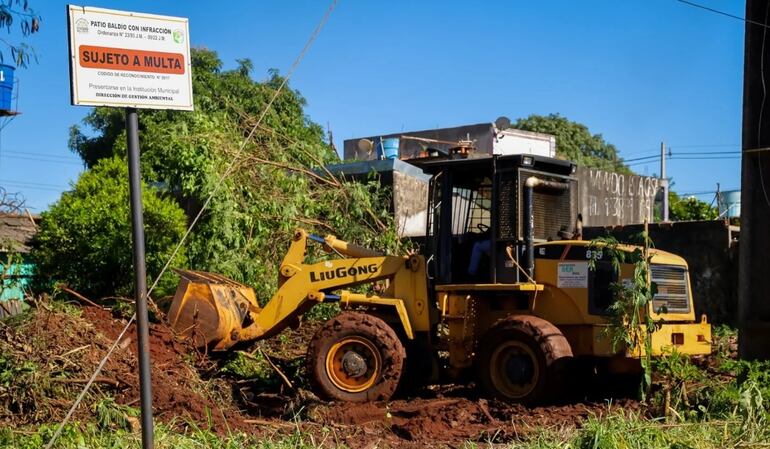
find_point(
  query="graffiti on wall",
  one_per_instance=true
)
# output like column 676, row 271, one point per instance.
column 608, row 198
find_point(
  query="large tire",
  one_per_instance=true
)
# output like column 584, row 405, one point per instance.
column 355, row 357
column 521, row 359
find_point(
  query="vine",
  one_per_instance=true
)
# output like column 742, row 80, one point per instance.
column 630, row 325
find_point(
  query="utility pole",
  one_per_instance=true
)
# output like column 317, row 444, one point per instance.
column 754, row 271
column 718, row 199
column 664, row 181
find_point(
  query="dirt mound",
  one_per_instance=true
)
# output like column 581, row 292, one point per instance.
column 177, row 390
column 59, row 349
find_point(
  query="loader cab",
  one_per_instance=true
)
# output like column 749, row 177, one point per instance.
column 476, row 215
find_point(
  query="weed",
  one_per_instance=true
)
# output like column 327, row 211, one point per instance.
column 723, row 331
column 630, row 327
column 724, row 342
column 65, row 307
column 254, row 367
column 123, row 309
column 753, row 412
column 111, row 415
column 91, row 436
column 17, row 384
column 629, row 430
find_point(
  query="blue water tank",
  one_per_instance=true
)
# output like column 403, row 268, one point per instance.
column 730, row 201
column 6, row 86
column 389, row 148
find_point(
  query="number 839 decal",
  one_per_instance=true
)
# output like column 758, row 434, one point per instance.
column 595, row 254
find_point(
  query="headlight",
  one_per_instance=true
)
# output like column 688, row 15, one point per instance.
column 527, row 160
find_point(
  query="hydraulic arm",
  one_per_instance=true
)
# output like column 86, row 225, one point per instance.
column 218, row 312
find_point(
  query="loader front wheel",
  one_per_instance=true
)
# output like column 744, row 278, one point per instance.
column 355, row 357
column 522, row 359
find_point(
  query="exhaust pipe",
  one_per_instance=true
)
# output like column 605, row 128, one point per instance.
column 532, row 183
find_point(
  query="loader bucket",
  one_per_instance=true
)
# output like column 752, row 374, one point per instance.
column 210, row 310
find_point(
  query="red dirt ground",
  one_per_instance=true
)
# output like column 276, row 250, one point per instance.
column 440, row 417
column 449, row 421
column 444, row 416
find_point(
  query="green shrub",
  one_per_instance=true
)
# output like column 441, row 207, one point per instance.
column 85, row 237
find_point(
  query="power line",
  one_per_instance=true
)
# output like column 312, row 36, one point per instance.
column 716, row 11
column 707, row 192
column 46, row 155
column 671, row 148
column 39, row 159
column 685, row 158
column 687, row 155
column 716, row 145
column 762, row 104
column 42, row 184
column 32, row 185
column 694, row 157
column 698, row 158
column 705, row 152
column 657, row 156
column 24, row 187
column 674, row 154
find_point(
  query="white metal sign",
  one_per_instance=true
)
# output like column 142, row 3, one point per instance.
column 572, row 275
column 129, row 59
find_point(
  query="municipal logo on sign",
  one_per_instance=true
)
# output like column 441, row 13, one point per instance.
column 81, row 26
column 178, row 36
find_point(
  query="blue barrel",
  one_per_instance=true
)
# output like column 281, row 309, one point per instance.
column 6, row 86
column 390, row 148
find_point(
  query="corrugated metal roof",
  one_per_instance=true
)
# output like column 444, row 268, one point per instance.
column 16, row 231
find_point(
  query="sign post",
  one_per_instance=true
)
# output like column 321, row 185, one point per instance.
column 131, row 60
column 140, row 276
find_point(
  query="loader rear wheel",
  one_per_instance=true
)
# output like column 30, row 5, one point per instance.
column 355, row 357
column 521, row 359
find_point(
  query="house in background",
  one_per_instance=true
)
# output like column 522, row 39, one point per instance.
column 16, row 231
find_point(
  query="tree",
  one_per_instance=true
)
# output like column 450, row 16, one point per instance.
column 84, row 238
column 18, row 11
column 689, row 208
column 279, row 183
column 575, row 142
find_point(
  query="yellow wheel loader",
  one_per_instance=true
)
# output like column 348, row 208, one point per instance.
column 502, row 295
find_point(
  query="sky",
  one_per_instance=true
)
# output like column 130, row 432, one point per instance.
column 637, row 71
